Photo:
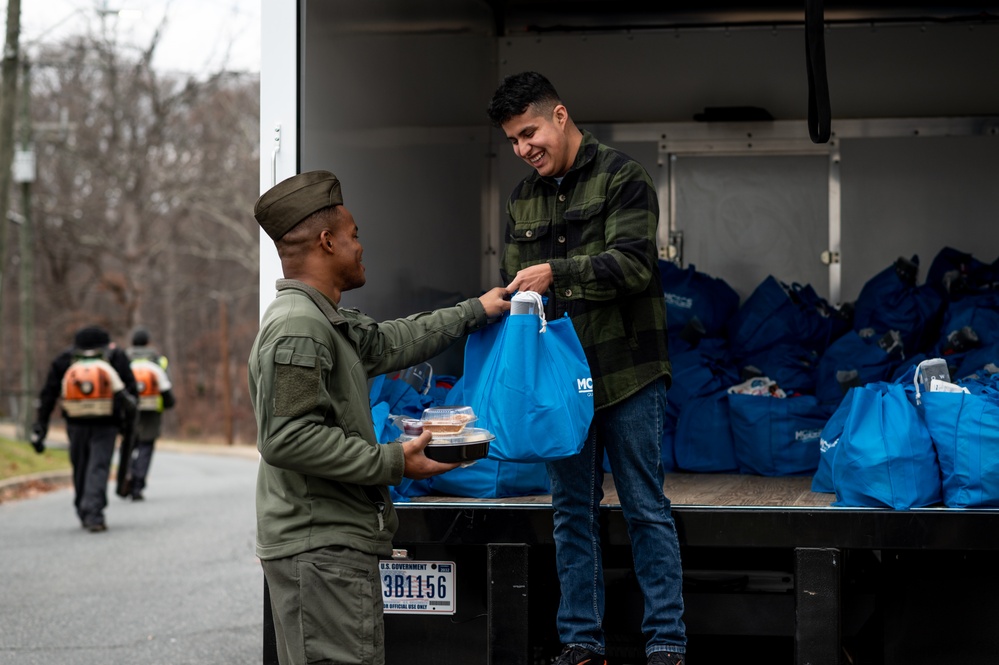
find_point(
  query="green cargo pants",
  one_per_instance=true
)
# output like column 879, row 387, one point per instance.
column 327, row 607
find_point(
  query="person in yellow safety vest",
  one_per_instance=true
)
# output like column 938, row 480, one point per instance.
column 97, row 392
column 155, row 396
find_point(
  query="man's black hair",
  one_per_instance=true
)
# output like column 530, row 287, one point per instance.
column 519, row 91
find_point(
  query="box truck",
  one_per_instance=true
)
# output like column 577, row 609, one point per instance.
column 712, row 98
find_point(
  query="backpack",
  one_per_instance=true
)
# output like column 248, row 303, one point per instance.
column 147, row 382
column 89, row 386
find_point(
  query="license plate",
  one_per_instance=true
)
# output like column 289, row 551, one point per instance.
column 418, row 587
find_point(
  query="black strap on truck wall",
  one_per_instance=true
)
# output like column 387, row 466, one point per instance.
column 819, row 114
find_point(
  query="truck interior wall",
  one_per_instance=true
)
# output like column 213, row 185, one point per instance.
column 395, row 111
column 766, row 210
column 912, row 196
column 878, row 71
column 392, row 99
column 745, row 216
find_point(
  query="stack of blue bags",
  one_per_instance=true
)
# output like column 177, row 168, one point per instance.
column 769, row 386
column 788, row 337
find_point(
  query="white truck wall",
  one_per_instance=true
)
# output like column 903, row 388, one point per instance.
column 278, row 119
column 396, row 112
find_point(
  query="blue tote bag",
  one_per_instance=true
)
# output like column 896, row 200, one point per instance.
column 885, row 457
column 792, row 366
column 979, row 312
column 691, row 294
column 891, row 301
column 703, row 439
column 975, row 361
column 965, row 432
column 777, row 312
column 828, row 443
column 854, row 361
column 529, row 383
column 488, row 478
column 954, row 273
column 697, row 374
column 386, row 431
column 776, row 436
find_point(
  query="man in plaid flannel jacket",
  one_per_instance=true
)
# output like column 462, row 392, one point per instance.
column 581, row 229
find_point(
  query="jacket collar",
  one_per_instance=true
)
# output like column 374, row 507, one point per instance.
column 325, row 305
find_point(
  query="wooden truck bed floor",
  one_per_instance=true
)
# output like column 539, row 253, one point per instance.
column 696, row 489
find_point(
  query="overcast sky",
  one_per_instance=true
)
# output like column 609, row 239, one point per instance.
column 197, row 36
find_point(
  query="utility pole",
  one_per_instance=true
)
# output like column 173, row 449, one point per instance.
column 27, row 253
column 8, row 98
column 226, row 378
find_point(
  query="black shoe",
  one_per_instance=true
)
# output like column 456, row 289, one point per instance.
column 95, row 527
column 576, row 655
column 137, row 496
column 666, row 658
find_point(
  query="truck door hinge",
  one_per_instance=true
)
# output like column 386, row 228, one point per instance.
column 674, row 250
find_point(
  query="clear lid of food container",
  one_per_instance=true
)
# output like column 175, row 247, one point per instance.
column 447, row 420
column 467, row 436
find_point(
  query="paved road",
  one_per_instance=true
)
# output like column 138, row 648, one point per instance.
column 174, row 580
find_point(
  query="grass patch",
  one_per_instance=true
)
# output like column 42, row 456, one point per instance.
column 18, row 458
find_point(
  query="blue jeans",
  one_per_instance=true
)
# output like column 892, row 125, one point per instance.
column 631, row 434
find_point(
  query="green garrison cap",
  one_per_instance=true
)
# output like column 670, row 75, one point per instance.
column 290, row 201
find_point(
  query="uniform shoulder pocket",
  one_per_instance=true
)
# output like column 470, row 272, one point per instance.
column 297, row 378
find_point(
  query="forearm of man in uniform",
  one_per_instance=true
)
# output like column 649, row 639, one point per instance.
column 417, row 465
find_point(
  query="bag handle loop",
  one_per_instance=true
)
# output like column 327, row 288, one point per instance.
column 539, row 305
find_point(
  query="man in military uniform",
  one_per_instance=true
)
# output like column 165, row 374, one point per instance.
column 324, row 515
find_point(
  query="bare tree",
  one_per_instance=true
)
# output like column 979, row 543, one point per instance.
column 144, row 216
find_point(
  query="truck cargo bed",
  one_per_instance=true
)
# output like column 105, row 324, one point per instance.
column 768, row 564
column 693, row 489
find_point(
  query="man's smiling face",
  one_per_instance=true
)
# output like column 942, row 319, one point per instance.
column 540, row 139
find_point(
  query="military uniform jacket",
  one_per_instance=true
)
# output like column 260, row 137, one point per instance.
column 323, row 478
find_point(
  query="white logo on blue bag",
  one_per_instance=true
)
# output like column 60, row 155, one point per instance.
column 826, row 446
column 683, row 302
column 807, row 434
column 585, row 386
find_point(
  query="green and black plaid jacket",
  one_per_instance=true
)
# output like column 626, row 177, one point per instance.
column 597, row 229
